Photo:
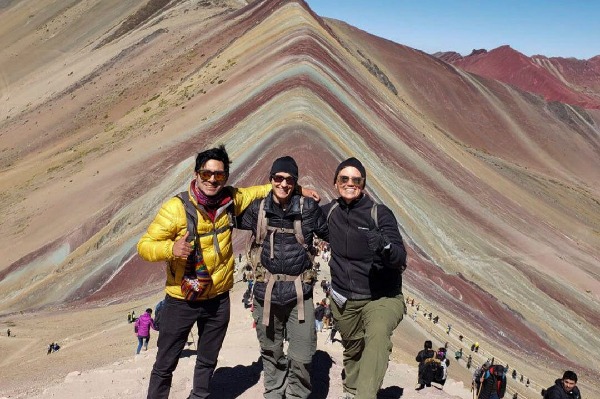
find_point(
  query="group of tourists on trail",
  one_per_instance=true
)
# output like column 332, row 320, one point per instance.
column 489, row 379
column 433, row 366
column 192, row 233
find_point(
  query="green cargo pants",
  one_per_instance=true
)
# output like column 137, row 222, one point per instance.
column 366, row 327
column 286, row 376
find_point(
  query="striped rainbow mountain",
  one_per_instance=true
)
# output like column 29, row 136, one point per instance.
column 104, row 104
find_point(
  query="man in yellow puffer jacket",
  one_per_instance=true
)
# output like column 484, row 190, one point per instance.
column 167, row 240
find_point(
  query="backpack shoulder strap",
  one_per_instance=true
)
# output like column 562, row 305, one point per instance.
column 190, row 214
column 335, row 205
column 261, row 224
column 298, row 224
column 374, row 215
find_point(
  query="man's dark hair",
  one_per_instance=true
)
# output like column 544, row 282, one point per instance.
column 570, row 375
column 148, row 310
column 428, row 344
column 217, row 153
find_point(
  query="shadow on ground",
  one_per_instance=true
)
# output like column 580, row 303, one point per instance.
column 232, row 382
column 320, row 380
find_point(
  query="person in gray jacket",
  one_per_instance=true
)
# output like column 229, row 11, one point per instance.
column 283, row 286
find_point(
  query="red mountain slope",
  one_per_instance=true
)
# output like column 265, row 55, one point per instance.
column 570, row 81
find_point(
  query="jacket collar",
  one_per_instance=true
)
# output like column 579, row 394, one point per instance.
column 272, row 207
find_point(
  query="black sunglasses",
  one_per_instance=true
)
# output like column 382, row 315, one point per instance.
column 290, row 180
column 357, row 181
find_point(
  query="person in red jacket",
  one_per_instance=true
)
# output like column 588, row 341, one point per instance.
column 142, row 330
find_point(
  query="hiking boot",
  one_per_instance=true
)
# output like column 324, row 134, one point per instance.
column 419, row 387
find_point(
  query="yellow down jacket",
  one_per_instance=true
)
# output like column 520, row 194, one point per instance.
column 170, row 224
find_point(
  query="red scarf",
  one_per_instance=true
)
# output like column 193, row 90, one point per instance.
column 210, row 203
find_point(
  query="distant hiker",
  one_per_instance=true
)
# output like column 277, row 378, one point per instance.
column 283, row 226
column 477, row 374
column 133, row 318
column 448, row 329
column 8, row 332
column 442, row 375
column 514, row 374
column 319, row 314
column 469, row 361
column 458, row 354
column 426, row 366
column 157, row 314
column 516, row 395
column 324, row 286
column 142, row 330
column 476, row 347
column 521, row 378
column 55, row 347
column 436, row 319
column 128, row 317
column 493, row 383
column 239, row 258
column 328, row 317
column 50, row 347
column 367, row 261
column 564, row 388
column 473, row 347
column 208, row 275
column 331, row 338
column 527, row 383
column 446, row 345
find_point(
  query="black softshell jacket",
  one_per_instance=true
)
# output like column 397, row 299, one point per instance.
column 357, row 271
column 289, row 256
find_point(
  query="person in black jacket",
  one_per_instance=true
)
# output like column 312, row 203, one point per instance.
column 493, row 383
column 283, row 295
column 425, row 376
column 564, row 388
column 367, row 261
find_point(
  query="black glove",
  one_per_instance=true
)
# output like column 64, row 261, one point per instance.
column 376, row 240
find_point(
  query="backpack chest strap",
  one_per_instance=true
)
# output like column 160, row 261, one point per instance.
column 215, row 234
column 270, row 280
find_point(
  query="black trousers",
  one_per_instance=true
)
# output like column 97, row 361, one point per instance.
column 176, row 321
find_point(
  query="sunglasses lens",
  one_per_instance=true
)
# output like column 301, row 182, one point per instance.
column 357, row 181
column 278, row 179
column 219, row 175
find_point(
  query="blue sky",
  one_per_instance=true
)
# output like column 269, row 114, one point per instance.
column 555, row 28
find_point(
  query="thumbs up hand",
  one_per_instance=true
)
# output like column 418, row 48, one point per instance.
column 182, row 248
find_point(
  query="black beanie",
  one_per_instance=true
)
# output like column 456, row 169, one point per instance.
column 350, row 162
column 285, row 164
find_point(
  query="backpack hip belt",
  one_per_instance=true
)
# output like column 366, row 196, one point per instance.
column 270, row 280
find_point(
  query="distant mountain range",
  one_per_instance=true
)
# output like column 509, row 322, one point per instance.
column 568, row 80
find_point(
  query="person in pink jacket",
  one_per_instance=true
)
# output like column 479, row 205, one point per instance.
column 142, row 329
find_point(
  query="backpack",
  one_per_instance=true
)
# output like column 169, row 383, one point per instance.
column 261, row 274
column 254, row 250
column 497, row 372
column 434, row 369
column 196, row 279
